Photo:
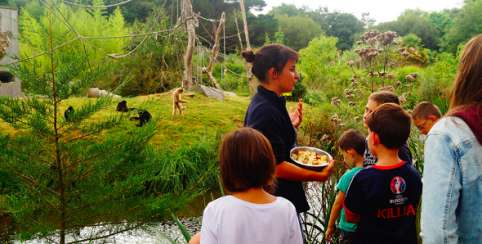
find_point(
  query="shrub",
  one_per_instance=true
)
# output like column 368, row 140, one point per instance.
column 154, row 67
column 299, row 91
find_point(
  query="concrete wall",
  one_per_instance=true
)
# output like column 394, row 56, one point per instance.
column 8, row 22
column 13, row 89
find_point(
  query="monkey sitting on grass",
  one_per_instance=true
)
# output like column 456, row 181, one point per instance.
column 176, row 98
column 122, row 107
column 143, row 118
column 67, row 113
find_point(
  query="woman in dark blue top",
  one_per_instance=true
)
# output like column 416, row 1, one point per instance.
column 275, row 67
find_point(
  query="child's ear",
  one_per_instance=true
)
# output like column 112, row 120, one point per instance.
column 432, row 118
column 376, row 139
column 351, row 152
column 273, row 73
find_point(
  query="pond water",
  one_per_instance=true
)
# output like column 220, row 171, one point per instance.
column 190, row 217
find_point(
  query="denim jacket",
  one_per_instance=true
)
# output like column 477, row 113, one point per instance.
column 452, row 185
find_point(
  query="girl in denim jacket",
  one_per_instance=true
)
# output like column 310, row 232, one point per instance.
column 452, row 189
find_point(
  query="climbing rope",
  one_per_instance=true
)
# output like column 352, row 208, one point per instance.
column 224, row 39
column 106, row 6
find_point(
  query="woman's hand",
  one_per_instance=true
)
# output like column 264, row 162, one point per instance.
column 326, row 172
column 292, row 172
column 297, row 116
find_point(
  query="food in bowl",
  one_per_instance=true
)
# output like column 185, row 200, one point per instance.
column 310, row 158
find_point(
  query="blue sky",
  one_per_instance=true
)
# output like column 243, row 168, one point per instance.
column 381, row 11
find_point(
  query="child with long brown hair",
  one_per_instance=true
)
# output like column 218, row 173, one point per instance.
column 250, row 215
column 452, row 189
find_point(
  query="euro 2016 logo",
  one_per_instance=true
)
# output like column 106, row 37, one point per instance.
column 397, row 185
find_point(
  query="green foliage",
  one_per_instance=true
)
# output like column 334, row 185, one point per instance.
column 291, row 26
column 437, row 80
column 87, row 22
column 343, row 26
column 415, row 12
column 212, row 9
column 411, row 40
column 257, row 25
column 300, row 90
column 441, row 20
column 417, row 24
column 69, row 173
column 367, row 21
column 289, row 9
column 182, row 228
column 155, row 65
column 232, row 82
column 466, row 25
column 279, row 36
column 340, row 25
column 267, row 41
column 317, row 60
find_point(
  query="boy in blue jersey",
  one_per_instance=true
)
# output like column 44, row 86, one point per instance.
column 351, row 145
column 383, row 199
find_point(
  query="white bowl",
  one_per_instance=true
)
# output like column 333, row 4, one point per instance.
column 318, row 152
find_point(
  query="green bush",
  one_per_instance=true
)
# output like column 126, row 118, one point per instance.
column 230, row 81
column 435, row 88
column 318, row 60
column 300, row 90
column 154, row 67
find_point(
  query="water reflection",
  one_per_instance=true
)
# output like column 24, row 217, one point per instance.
column 196, row 207
column 193, row 209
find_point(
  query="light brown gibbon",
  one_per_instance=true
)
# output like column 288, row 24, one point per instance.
column 177, row 101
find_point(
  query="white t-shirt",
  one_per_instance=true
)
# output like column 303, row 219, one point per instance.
column 229, row 220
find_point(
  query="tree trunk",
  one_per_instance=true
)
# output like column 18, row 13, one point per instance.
column 216, row 47
column 213, row 26
column 191, row 32
column 239, row 34
column 248, row 47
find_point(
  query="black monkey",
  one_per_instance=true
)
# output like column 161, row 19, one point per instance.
column 143, row 118
column 68, row 112
column 122, row 107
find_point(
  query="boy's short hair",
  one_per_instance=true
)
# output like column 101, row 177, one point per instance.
column 382, row 97
column 391, row 123
column 352, row 139
column 246, row 160
column 425, row 109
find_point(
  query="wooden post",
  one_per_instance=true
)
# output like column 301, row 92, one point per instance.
column 191, row 33
column 248, row 47
column 216, row 47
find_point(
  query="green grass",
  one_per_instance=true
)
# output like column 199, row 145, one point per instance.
column 202, row 115
column 185, row 146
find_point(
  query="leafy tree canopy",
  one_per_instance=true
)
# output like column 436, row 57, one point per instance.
column 411, row 40
column 442, row 20
column 343, row 26
column 337, row 24
column 415, row 12
column 466, row 25
column 289, row 9
column 212, row 9
column 416, row 24
column 291, row 27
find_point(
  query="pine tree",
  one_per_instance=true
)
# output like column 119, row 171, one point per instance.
column 76, row 171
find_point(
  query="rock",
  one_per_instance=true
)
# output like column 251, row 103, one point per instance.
column 210, row 91
column 230, row 94
column 96, row 92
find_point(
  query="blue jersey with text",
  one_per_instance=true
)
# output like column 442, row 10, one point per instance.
column 386, row 198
